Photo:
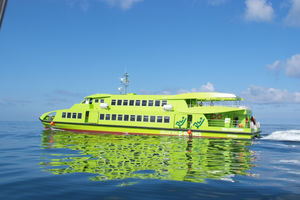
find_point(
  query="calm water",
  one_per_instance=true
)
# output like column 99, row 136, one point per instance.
column 40, row 164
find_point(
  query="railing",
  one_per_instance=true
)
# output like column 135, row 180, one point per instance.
column 230, row 124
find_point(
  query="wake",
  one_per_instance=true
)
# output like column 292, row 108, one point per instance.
column 288, row 135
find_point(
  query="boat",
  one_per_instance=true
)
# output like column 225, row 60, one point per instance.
column 201, row 114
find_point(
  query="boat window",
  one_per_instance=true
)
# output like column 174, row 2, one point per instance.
column 63, row 115
column 120, row 117
column 96, row 100
column 166, row 119
column 159, row 119
column 146, row 118
column 137, row 102
column 152, row 118
column 126, row 117
column 157, row 102
column 125, row 102
column 79, row 115
column 164, row 102
column 113, row 102
column 119, row 102
column 113, row 117
column 107, row 117
column 131, row 102
column 144, row 102
column 101, row 116
column 69, row 115
column 150, row 103
column 139, row 118
column 91, row 100
column 86, row 101
column 74, row 115
column 132, row 118
column 102, row 101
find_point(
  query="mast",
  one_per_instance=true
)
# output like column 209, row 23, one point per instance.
column 125, row 83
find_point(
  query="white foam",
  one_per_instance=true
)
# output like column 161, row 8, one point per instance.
column 288, row 135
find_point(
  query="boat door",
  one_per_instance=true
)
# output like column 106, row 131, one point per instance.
column 189, row 121
column 87, row 115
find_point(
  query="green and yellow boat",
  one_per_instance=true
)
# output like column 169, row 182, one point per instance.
column 200, row 114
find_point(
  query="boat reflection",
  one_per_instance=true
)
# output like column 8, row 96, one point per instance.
column 111, row 157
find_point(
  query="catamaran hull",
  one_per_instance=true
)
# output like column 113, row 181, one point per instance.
column 127, row 130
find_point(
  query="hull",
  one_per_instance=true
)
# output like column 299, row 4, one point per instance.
column 131, row 130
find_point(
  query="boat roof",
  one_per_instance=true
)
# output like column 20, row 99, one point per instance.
column 200, row 96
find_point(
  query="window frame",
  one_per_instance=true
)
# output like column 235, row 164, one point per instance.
column 168, row 119
column 79, row 116
column 69, row 115
column 63, row 115
column 159, row 119
column 157, row 105
column 113, row 117
column 152, row 118
column 131, row 102
column 139, row 118
column 126, row 118
column 74, row 116
column 144, row 101
column 119, row 102
column 146, row 117
column 102, row 116
column 107, row 117
column 125, row 100
column 113, row 102
column 96, row 100
column 137, row 102
column 152, row 103
column 120, row 117
column 132, row 118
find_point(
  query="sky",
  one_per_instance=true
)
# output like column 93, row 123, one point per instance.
column 53, row 53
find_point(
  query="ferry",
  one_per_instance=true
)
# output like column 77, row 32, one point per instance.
column 201, row 114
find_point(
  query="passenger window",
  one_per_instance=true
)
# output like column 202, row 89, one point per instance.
column 74, row 116
column 139, row 118
column 91, row 100
column 102, row 101
column 113, row 102
column 131, row 102
column 157, row 103
column 63, row 115
column 101, row 116
column 69, row 115
column 107, row 117
column 150, row 103
column 79, row 115
column 96, row 100
column 125, row 102
column 126, row 117
column 146, row 118
column 159, row 119
column 144, row 103
column 132, row 118
column 120, row 117
column 164, row 102
column 152, row 118
column 113, row 117
column 137, row 102
column 119, row 102
column 166, row 119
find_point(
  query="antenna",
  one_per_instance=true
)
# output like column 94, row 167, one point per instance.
column 124, row 83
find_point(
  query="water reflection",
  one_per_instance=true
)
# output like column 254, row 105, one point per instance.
column 111, row 157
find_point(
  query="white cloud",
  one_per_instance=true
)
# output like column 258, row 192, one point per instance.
column 216, row 2
column 293, row 16
column 264, row 95
column 259, row 10
column 291, row 66
column 85, row 4
column 123, row 4
column 208, row 87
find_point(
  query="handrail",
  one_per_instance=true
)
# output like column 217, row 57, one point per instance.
column 231, row 124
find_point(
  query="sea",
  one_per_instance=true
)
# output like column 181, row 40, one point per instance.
column 53, row 164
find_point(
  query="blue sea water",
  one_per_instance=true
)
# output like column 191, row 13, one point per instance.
column 46, row 164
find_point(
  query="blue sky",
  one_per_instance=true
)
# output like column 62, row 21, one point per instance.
column 55, row 52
